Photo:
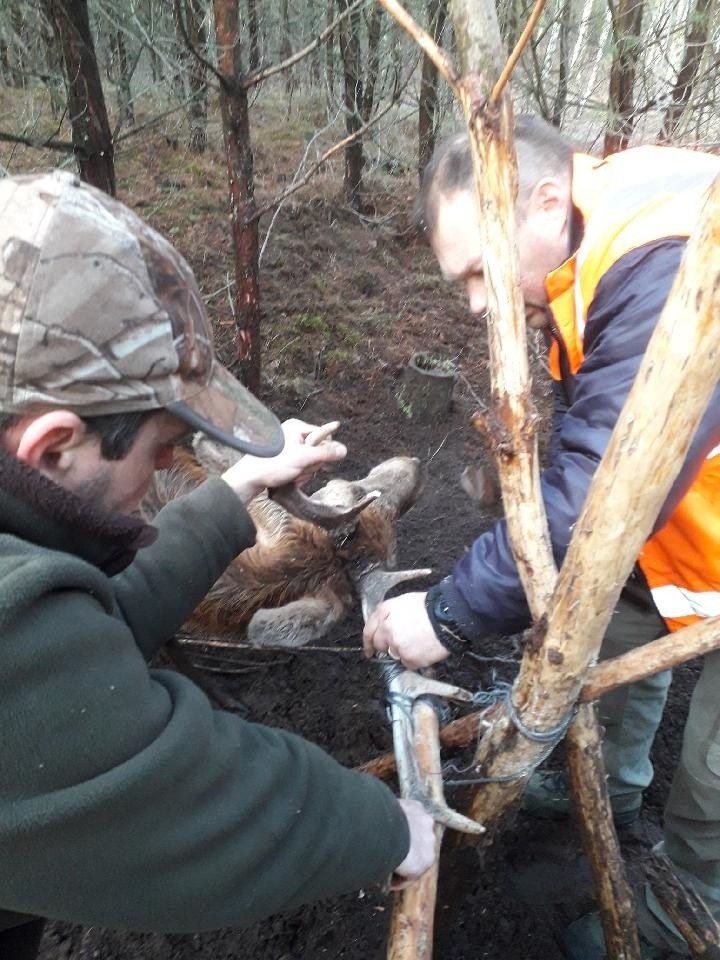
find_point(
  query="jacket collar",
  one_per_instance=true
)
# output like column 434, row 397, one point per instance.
column 34, row 508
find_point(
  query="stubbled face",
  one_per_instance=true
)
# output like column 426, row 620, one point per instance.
column 118, row 486
column 457, row 244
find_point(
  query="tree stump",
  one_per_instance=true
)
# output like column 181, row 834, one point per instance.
column 425, row 391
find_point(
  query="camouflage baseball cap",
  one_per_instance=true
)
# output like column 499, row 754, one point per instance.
column 99, row 314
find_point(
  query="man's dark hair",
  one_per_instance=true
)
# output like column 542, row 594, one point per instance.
column 117, row 431
column 541, row 152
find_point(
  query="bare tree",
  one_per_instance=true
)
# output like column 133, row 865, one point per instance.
column 92, row 139
column 626, row 22
column 427, row 106
column 353, row 95
column 696, row 42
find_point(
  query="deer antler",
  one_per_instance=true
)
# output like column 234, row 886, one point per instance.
column 404, row 688
column 305, row 508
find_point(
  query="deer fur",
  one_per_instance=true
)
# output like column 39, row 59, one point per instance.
column 293, row 584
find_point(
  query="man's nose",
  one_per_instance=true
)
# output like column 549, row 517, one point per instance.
column 477, row 294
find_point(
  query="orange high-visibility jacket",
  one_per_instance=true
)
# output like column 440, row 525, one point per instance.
column 626, row 201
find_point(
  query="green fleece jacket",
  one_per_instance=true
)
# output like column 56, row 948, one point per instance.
column 125, row 798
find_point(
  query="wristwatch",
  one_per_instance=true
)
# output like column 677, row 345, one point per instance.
column 448, row 632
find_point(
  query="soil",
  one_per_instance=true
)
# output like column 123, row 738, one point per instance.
column 347, row 300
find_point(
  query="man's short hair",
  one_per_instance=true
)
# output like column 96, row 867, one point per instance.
column 117, row 431
column 541, row 152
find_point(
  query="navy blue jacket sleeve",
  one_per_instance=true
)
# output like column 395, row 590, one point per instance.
column 484, row 593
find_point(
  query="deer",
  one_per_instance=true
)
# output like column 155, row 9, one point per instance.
column 314, row 558
column 297, row 581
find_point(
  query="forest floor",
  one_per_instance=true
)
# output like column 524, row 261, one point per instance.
column 346, row 302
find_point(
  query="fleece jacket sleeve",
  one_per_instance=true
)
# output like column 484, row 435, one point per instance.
column 484, row 593
column 126, row 800
column 199, row 534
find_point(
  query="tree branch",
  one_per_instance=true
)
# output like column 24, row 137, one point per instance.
column 519, row 47
column 423, row 39
column 222, row 79
column 259, row 75
column 49, row 144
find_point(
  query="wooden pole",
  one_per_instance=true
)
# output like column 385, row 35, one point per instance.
column 602, row 678
column 686, row 909
column 587, row 778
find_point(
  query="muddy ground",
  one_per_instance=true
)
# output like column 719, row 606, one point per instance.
column 347, row 300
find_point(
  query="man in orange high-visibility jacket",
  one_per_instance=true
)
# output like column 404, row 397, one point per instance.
column 599, row 244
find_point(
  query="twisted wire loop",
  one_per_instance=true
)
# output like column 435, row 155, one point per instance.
column 502, row 692
column 401, row 700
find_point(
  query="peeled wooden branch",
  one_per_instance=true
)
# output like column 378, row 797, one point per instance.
column 685, row 908
column 589, row 788
column 645, row 661
column 511, row 425
column 652, row 658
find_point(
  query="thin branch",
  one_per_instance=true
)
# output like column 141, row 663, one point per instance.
column 519, row 47
column 423, row 39
column 189, row 641
column 222, row 79
column 152, row 121
column 259, row 75
column 312, row 140
column 316, row 166
column 49, row 144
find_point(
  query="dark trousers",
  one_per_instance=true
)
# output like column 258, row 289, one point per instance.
column 23, row 942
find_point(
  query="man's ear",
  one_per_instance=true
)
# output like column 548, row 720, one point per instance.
column 549, row 204
column 49, row 442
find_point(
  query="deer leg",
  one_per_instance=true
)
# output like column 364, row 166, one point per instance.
column 297, row 623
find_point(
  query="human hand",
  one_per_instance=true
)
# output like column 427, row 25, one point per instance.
column 296, row 463
column 421, row 855
column 402, row 628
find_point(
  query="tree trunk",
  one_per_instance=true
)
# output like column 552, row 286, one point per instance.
column 373, row 62
column 286, row 49
column 563, row 67
column 122, row 74
column 330, row 51
column 239, row 159
column 350, row 53
column 253, row 34
column 197, row 75
column 91, row 135
column 696, row 40
column 53, row 64
column 626, row 23
column 436, row 14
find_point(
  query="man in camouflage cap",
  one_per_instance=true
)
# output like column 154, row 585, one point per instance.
column 125, row 800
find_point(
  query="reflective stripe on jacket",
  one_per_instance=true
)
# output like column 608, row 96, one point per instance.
column 627, row 201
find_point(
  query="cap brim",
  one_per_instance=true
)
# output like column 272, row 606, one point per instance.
column 226, row 411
